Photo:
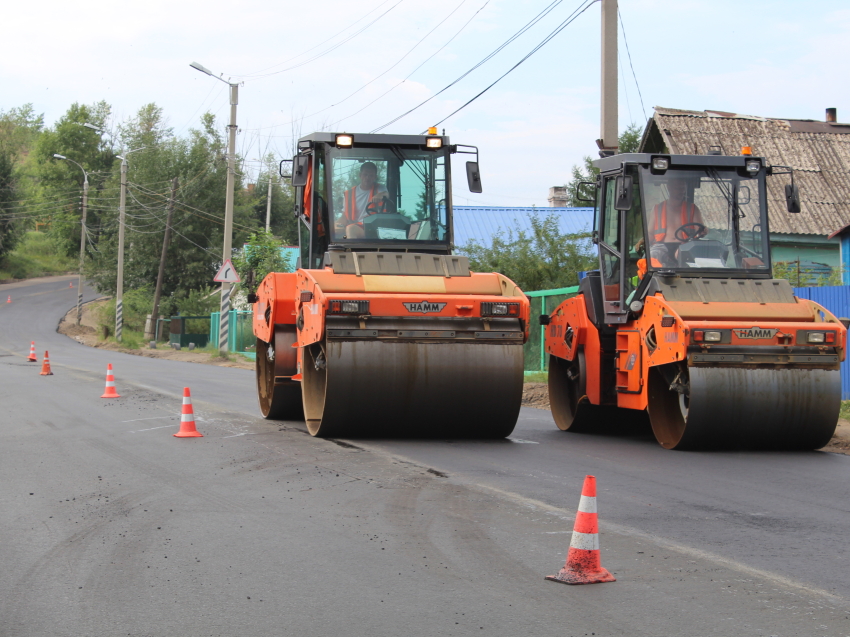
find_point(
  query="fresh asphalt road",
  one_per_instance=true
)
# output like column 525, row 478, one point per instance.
column 111, row 526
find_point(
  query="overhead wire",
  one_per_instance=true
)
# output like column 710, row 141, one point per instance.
column 258, row 76
column 573, row 16
column 366, row 15
column 537, row 18
column 626, row 42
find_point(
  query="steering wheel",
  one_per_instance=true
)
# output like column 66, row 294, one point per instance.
column 377, row 206
column 689, row 231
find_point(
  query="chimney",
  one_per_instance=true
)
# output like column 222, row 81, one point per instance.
column 831, row 115
column 557, row 197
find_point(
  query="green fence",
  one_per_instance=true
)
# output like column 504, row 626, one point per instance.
column 240, row 332
column 542, row 302
column 243, row 341
column 183, row 330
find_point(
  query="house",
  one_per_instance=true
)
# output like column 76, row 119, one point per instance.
column 482, row 223
column 819, row 153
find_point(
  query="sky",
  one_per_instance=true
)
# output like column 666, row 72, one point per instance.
column 356, row 66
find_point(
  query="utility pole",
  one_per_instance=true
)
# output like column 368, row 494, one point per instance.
column 609, row 143
column 119, row 284
column 82, row 235
column 155, row 314
column 223, row 330
column 269, row 203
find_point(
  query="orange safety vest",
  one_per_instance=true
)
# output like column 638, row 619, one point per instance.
column 350, row 203
column 660, row 232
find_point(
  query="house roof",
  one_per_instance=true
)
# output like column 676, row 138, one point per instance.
column 482, row 223
column 819, row 153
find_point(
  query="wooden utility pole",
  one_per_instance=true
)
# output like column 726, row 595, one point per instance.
column 608, row 142
column 154, row 316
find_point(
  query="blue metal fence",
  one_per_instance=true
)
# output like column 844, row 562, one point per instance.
column 836, row 299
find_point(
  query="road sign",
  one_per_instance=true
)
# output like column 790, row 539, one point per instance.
column 227, row 274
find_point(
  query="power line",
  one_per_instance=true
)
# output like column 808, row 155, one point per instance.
column 548, row 9
column 626, row 42
column 573, row 16
column 258, row 76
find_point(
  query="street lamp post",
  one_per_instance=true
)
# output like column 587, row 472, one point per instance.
column 82, row 235
column 119, row 284
column 228, row 205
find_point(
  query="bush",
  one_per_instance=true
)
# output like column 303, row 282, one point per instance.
column 137, row 305
column 35, row 255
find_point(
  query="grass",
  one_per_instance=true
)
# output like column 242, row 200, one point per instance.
column 536, row 377
column 35, row 256
column 845, row 410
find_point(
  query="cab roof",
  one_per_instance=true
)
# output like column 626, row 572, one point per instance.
column 615, row 162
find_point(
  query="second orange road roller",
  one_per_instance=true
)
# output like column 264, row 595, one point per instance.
column 382, row 330
column 684, row 319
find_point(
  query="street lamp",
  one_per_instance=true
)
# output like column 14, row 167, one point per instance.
column 119, row 285
column 82, row 235
column 228, row 204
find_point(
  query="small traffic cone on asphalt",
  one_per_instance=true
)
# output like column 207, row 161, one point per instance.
column 583, row 562
column 110, row 392
column 32, row 358
column 70, row 284
column 8, row 299
column 45, row 366
column 187, row 419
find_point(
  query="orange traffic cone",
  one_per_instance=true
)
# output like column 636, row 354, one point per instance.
column 110, row 392
column 70, row 284
column 583, row 562
column 32, row 358
column 187, row 419
column 8, row 299
column 45, row 366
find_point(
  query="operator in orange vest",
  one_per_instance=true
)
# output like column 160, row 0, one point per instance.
column 366, row 198
column 666, row 221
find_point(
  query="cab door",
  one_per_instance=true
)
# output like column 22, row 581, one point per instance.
column 612, row 261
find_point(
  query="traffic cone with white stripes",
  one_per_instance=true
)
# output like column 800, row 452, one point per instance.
column 32, row 358
column 110, row 391
column 8, row 299
column 584, row 565
column 45, row 366
column 187, row 419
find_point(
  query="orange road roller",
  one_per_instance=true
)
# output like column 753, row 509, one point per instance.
column 382, row 331
column 684, row 319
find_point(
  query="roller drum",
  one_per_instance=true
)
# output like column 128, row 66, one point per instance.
column 740, row 408
column 376, row 388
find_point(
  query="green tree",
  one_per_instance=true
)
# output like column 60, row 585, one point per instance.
column 260, row 257
column 629, row 142
column 542, row 259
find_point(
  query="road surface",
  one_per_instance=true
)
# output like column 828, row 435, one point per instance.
column 111, row 526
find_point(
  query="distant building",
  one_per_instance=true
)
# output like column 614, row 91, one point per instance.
column 558, row 197
column 819, row 153
column 482, row 223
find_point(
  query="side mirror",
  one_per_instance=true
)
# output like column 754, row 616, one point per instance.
column 792, row 198
column 286, row 175
column 623, row 195
column 578, row 192
column 743, row 195
column 300, row 168
column 473, row 176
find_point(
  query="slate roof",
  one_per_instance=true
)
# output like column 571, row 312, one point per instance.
column 819, row 153
column 481, row 223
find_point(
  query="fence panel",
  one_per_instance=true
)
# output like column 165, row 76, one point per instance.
column 241, row 339
column 542, row 302
column 837, row 300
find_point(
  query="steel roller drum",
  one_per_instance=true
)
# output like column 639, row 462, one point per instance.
column 369, row 388
column 739, row 408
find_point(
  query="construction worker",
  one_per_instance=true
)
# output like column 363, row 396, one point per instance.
column 366, row 198
column 666, row 223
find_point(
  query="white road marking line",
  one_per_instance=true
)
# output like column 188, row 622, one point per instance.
column 151, row 429
column 519, row 441
column 151, row 418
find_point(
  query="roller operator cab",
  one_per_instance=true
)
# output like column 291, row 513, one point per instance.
column 382, row 330
column 683, row 318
